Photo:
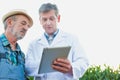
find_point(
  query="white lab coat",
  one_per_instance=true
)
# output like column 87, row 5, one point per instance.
column 76, row 56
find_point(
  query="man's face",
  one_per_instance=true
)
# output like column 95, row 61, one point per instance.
column 20, row 26
column 49, row 21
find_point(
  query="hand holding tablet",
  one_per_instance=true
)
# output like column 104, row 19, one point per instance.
column 49, row 55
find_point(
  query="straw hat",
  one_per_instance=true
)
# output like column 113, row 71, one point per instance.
column 19, row 12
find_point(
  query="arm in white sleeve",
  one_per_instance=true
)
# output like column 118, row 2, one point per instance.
column 30, row 62
column 79, row 60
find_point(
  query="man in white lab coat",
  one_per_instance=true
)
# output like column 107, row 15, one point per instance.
column 71, row 68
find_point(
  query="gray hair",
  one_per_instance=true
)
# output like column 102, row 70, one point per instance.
column 47, row 7
column 5, row 22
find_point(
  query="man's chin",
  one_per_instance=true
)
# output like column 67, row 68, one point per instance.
column 19, row 38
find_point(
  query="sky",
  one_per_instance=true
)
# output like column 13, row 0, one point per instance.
column 95, row 22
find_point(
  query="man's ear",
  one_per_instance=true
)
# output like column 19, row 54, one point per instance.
column 58, row 17
column 9, row 21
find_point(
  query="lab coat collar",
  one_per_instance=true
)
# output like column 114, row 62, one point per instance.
column 59, row 37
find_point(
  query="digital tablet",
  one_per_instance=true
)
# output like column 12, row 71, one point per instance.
column 50, row 54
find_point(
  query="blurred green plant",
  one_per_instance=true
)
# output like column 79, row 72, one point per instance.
column 30, row 78
column 99, row 73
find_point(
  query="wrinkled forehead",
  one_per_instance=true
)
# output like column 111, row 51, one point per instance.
column 48, row 17
column 23, row 19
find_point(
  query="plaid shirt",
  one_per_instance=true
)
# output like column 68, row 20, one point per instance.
column 12, row 56
column 12, row 63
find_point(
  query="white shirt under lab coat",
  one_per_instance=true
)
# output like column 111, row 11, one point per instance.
column 76, row 57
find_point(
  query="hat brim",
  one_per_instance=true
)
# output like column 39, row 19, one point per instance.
column 17, row 12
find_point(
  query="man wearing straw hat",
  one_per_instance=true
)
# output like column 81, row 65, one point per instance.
column 16, row 23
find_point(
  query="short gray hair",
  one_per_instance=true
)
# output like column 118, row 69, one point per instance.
column 47, row 7
column 5, row 22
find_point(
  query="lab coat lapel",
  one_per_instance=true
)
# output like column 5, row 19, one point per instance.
column 43, row 41
column 58, row 38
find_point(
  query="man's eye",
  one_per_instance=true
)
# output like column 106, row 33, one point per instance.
column 44, row 20
column 52, row 19
column 23, row 23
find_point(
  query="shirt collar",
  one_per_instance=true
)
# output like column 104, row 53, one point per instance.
column 54, row 34
column 5, row 42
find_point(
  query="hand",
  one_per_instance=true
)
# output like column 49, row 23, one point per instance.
column 62, row 65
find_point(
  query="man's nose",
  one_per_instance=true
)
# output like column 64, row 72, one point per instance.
column 48, row 21
column 26, row 27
